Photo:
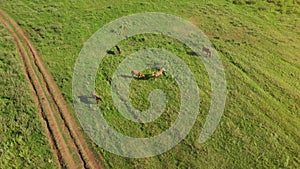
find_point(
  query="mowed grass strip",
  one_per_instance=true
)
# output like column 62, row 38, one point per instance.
column 258, row 43
column 23, row 143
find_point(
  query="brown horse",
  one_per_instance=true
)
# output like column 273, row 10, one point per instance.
column 137, row 73
column 159, row 73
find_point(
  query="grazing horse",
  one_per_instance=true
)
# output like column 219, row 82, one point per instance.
column 159, row 73
column 98, row 98
column 207, row 51
column 118, row 49
column 137, row 73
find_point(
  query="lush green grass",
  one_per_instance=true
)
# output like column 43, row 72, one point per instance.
column 22, row 140
column 258, row 43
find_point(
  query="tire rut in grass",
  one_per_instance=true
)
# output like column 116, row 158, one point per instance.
column 68, row 144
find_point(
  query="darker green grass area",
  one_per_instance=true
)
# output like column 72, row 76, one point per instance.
column 23, row 143
column 257, row 41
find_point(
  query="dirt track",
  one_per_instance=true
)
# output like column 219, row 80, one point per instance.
column 66, row 139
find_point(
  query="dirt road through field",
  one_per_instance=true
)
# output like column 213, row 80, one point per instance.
column 66, row 138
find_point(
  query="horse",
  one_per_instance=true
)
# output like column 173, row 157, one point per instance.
column 158, row 73
column 207, row 51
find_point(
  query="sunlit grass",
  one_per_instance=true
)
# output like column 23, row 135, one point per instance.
column 258, row 43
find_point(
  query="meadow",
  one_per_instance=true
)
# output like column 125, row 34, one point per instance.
column 23, row 143
column 257, row 41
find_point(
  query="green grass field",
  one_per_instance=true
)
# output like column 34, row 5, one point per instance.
column 23, row 143
column 258, row 42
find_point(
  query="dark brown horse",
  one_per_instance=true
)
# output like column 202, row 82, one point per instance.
column 98, row 98
column 118, row 49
